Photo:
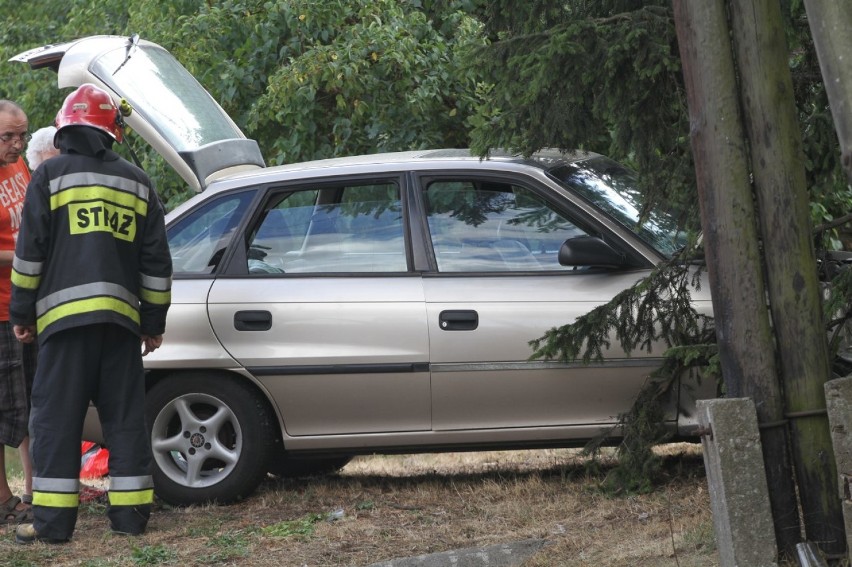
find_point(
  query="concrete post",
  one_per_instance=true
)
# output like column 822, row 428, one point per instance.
column 739, row 494
column 838, row 401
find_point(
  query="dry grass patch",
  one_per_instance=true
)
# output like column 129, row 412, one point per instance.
column 397, row 506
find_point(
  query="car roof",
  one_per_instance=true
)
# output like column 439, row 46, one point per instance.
column 388, row 161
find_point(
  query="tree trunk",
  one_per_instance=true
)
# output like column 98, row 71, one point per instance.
column 778, row 166
column 728, row 218
column 831, row 27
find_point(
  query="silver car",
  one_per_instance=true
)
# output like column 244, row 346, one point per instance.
column 379, row 303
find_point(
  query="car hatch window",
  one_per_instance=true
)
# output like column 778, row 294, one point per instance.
column 487, row 226
column 154, row 82
column 353, row 228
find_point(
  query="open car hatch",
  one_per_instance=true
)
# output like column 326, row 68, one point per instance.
column 171, row 110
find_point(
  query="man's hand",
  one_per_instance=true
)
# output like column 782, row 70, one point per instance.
column 151, row 343
column 25, row 333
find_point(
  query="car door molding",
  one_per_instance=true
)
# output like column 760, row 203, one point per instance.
column 314, row 369
column 543, row 365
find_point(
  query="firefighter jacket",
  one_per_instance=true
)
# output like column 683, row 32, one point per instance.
column 92, row 245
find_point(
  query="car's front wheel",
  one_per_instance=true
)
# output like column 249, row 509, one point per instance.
column 211, row 436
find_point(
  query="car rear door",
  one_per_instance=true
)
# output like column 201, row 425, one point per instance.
column 321, row 308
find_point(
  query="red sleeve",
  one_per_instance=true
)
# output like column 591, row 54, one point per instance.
column 14, row 179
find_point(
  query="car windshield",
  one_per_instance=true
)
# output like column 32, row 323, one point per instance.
column 162, row 90
column 614, row 189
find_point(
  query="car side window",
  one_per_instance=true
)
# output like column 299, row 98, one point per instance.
column 481, row 225
column 199, row 239
column 351, row 228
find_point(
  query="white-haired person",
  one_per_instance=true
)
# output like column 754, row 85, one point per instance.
column 40, row 146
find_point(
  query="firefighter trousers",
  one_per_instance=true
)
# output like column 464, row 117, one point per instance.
column 101, row 363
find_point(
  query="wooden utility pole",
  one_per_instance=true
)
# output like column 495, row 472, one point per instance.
column 731, row 241
column 778, row 168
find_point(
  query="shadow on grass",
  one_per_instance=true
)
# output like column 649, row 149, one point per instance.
column 683, row 467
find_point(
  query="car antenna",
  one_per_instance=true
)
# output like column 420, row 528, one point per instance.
column 132, row 44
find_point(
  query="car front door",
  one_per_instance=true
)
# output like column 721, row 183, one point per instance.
column 498, row 285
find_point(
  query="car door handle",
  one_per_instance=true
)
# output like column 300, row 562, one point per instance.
column 252, row 320
column 458, row 320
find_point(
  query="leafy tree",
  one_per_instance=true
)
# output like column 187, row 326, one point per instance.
column 603, row 76
column 606, row 76
column 41, row 23
column 306, row 79
column 311, row 79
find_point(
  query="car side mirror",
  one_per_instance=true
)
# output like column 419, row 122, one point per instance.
column 590, row 251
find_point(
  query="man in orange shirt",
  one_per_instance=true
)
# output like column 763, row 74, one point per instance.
column 15, row 384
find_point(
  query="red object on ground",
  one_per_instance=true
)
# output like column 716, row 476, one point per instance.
column 92, row 494
column 94, row 462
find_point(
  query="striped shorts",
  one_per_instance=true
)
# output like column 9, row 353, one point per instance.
column 17, row 368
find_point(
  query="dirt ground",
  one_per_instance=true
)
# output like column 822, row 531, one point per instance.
column 384, row 507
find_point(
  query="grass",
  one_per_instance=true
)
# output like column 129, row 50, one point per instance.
column 399, row 506
column 13, row 462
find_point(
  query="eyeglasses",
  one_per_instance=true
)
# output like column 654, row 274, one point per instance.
column 23, row 138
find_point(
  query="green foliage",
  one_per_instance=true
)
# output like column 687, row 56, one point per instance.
column 364, row 77
column 40, row 23
column 830, row 192
column 227, row 547
column 153, row 555
column 310, row 79
column 606, row 76
column 657, row 310
column 638, row 466
column 838, row 311
column 602, row 76
column 302, row 527
column 306, row 79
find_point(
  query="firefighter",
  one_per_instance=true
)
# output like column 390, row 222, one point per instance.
column 91, row 278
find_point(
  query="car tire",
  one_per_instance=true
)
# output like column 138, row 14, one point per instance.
column 211, row 438
column 286, row 466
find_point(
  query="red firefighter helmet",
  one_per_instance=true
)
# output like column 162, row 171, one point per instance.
column 91, row 106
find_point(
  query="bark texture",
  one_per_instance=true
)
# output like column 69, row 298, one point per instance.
column 778, row 167
column 731, row 240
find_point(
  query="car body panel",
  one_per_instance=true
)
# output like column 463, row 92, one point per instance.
column 189, row 338
column 326, row 336
column 482, row 378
